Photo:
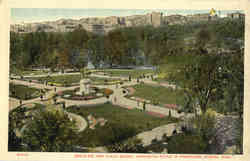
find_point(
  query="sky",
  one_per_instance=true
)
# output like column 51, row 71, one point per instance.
column 130, row 4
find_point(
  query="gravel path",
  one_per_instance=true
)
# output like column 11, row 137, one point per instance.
column 118, row 95
column 80, row 121
column 156, row 133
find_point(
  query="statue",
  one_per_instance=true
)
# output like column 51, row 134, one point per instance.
column 84, row 82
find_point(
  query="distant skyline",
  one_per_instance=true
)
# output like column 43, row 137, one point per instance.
column 27, row 15
column 130, row 4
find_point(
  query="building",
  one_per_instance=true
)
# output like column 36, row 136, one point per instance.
column 97, row 28
column 236, row 15
column 156, row 18
column 212, row 12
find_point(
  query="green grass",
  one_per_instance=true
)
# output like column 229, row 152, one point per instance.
column 70, row 79
column 161, row 94
column 67, row 79
column 125, row 73
column 122, row 124
column 99, row 80
column 23, row 92
column 37, row 72
column 173, row 63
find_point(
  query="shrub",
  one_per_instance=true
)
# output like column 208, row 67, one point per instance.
column 187, row 144
column 132, row 145
column 203, row 125
column 107, row 91
column 51, row 131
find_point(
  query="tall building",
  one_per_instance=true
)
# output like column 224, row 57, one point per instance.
column 155, row 19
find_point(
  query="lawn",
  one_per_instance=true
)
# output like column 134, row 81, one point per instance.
column 122, row 124
column 23, row 92
column 68, row 80
column 125, row 73
column 158, row 94
column 61, row 79
column 34, row 72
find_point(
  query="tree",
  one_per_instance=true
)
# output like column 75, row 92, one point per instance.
column 201, row 79
column 50, row 131
column 115, row 44
column 78, row 59
column 96, row 49
column 63, row 59
column 233, row 78
column 14, row 142
column 78, row 38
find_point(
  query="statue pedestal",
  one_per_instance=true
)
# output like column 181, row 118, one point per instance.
column 84, row 86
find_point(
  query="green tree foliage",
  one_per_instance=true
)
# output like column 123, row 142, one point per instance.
column 203, row 126
column 78, row 38
column 200, row 80
column 50, row 131
column 186, row 144
column 96, row 49
column 232, row 76
column 132, row 145
column 123, row 46
column 115, row 44
column 14, row 143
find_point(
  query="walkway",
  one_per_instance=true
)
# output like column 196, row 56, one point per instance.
column 118, row 93
column 157, row 133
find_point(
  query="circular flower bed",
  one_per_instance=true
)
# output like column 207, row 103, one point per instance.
column 96, row 93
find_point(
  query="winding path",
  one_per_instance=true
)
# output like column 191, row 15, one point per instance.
column 118, row 95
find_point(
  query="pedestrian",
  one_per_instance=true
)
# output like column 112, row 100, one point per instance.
column 54, row 100
column 144, row 106
column 55, row 89
column 174, row 132
column 20, row 102
column 26, row 96
column 129, row 78
column 115, row 99
column 63, row 105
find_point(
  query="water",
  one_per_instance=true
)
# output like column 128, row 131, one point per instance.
column 48, row 14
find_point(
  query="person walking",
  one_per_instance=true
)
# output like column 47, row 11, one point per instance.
column 144, row 106
column 115, row 99
column 41, row 97
column 20, row 102
column 55, row 89
column 55, row 99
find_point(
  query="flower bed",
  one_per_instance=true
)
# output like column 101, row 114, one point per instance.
column 72, row 94
column 156, row 114
column 171, row 106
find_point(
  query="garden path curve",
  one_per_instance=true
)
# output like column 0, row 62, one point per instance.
column 118, row 94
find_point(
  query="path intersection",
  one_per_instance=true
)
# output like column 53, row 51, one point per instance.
column 117, row 98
